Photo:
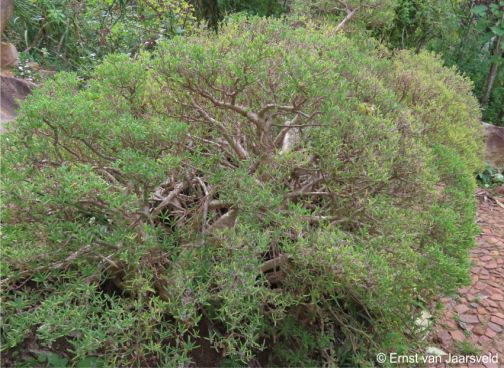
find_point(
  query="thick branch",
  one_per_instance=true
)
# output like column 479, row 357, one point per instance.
column 237, row 147
column 176, row 191
column 242, row 110
column 350, row 14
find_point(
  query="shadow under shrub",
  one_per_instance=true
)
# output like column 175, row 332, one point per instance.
column 264, row 189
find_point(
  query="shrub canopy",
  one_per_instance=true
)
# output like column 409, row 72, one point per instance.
column 263, row 189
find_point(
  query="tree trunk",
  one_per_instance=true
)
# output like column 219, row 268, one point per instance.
column 209, row 11
column 492, row 73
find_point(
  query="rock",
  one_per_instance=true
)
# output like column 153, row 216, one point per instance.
column 497, row 320
column 478, row 330
column 444, row 338
column 6, row 11
column 423, row 323
column 497, row 297
column 490, row 333
column 469, row 318
column 457, row 335
column 432, row 350
column 483, row 340
column 461, row 308
column 8, row 55
column 423, row 320
column 494, row 144
column 463, row 325
column 12, row 90
column 495, row 327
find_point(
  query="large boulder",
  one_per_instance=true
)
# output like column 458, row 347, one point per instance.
column 8, row 53
column 6, row 11
column 494, row 145
column 11, row 91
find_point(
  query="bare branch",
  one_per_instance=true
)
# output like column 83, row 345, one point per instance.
column 228, row 220
column 205, row 203
column 350, row 14
column 237, row 147
column 281, row 136
column 274, row 263
column 242, row 110
column 168, row 200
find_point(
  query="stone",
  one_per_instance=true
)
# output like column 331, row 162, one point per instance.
column 12, row 90
column 478, row 330
column 495, row 327
column 478, row 310
column 464, row 326
column 491, row 365
column 491, row 265
column 461, row 308
column 423, row 320
column 491, row 303
column 497, row 320
column 457, row 335
column 481, row 310
column 483, row 340
column 8, row 55
column 497, row 297
column 480, row 286
column 490, row 333
column 432, row 350
column 500, row 315
column 7, row 9
column 469, row 318
column 444, row 338
column 494, row 284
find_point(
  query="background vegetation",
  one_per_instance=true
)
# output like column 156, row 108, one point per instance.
column 74, row 35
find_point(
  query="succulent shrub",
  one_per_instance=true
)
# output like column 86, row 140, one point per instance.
column 267, row 189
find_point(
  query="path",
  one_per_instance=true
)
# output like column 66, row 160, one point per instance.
column 474, row 319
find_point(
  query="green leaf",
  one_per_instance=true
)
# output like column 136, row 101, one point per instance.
column 498, row 30
column 90, row 362
column 495, row 9
column 53, row 360
column 479, row 10
column 497, row 59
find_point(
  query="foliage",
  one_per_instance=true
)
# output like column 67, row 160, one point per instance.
column 74, row 35
column 365, row 14
column 416, row 22
column 266, row 188
column 438, row 98
column 265, row 8
column 490, row 177
column 71, row 34
column 464, row 32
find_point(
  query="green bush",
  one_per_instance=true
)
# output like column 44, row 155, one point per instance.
column 264, row 189
column 438, row 98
